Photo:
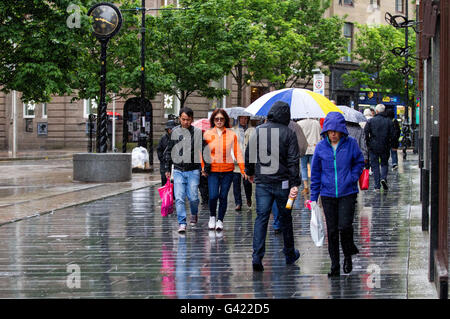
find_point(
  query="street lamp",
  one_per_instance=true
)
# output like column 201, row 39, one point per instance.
column 107, row 22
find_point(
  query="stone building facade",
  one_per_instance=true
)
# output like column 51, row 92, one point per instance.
column 62, row 124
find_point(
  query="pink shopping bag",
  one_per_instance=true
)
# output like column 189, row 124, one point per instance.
column 166, row 194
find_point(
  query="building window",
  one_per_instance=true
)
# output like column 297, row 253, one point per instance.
column 399, row 5
column 221, row 102
column 28, row 110
column 346, row 2
column 348, row 34
column 44, row 110
column 375, row 2
column 90, row 107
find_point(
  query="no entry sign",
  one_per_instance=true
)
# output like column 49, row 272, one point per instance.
column 319, row 83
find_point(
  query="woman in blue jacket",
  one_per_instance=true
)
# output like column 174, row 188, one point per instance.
column 336, row 166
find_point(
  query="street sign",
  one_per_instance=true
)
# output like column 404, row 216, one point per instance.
column 319, row 83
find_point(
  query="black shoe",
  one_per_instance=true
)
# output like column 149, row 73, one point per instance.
column 384, row 184
column 335, row 271
column 258, row 267
column 290, row 260
column 348, row 265
column 238, row 208
column 249, row 203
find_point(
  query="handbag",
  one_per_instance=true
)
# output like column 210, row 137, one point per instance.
column 166, row 194
column 364, row 180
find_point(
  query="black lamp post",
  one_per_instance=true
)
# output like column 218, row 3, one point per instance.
column 107, row 22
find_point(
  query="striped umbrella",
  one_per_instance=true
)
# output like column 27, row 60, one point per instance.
column 304, row 103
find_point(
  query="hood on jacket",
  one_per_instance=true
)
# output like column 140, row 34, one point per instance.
column 334, row 121
column 280, row 112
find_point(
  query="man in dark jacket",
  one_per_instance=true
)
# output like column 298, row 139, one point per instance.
column 379, row 132
column 163, row 142
column 272, row 162
column 395, row 138
column 184, row 152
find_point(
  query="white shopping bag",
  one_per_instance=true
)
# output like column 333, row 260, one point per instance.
column 139, row 156
column 316, row 225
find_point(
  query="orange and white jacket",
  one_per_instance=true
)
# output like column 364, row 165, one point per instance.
column 219, row 149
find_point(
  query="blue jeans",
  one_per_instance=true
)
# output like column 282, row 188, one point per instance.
column 394, row 157
column 304, row 160
column 266, row 195
column 377, row 160
column 219, row 185
column 186, row 183
column 276, row 219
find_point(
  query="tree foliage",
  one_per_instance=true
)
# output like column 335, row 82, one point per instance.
column 379, row 68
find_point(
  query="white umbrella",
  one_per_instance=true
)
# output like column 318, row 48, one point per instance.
column 304, row 103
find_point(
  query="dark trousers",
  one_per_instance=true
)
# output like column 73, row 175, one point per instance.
column 203, row 187
column 266, row 195
column 339, row 214
column 163, row 178
column 219, row 185
column 377, row 160
column 237, row 189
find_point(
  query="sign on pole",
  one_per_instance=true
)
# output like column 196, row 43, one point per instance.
column 319, row 83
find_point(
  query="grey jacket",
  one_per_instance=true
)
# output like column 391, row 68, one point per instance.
column 355, row 131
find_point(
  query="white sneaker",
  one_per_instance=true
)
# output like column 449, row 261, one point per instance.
column 212, row 222
column 219, row 225
column 182, row 228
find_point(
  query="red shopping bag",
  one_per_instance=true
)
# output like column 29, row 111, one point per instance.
column 166, row 194
column 364, row 180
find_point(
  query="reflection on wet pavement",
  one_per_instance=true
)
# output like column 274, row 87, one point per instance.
column 124, row 248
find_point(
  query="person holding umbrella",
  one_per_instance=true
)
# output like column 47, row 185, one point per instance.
column 221, row 143
column 336, row 166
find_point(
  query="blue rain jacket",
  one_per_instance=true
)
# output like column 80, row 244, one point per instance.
column 336, row 173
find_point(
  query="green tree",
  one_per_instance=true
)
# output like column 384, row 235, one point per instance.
column 37, row 55
column 298, row 40
column 379, row 68
column 191, row 46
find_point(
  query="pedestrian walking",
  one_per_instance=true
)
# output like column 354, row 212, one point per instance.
column 311, row 128
column 336, row 166
column 221, row 143
column 379, row 133
column 395, row 139
column 243, row 131
column 302, row 147
column 184, row 153
column 272, row 162
column 355, row 130
column 162, row 145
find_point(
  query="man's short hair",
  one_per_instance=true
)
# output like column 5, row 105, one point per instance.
column 380, row 108
column 188, row 111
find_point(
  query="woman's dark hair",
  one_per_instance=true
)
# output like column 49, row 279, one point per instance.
column 187, row 111
column 225, row 115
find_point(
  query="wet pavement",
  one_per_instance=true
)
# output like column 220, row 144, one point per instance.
column 120, row 246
